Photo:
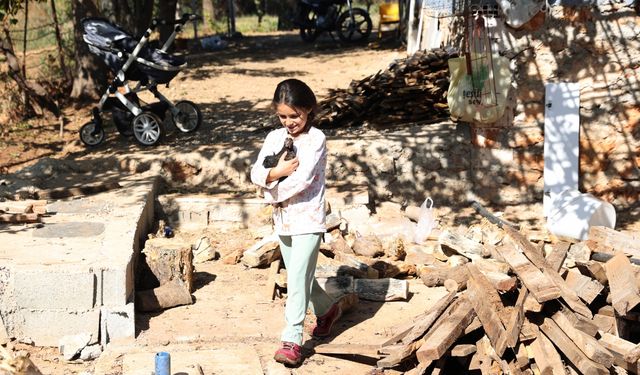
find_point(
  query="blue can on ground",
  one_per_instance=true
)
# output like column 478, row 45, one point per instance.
column 163, row 363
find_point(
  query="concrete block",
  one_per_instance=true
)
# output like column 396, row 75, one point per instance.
column 116, row 284
column 54, row 288
column 117, row 322
column 47, row 327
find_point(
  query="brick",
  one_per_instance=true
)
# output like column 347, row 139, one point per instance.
column 54, row 288
column 116, row 285
column 47, row 327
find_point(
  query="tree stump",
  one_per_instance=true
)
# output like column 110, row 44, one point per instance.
column 167, row 259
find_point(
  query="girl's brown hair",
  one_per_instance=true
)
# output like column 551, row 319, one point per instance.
column 296, row 94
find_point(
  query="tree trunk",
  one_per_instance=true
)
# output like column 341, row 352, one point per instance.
column 208, row 14
column 54, row 15
column 143, row 15
column 90, row 76
column 32, row 90
column 166, row 12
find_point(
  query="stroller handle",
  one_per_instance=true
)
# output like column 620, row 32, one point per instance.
column 182, row 20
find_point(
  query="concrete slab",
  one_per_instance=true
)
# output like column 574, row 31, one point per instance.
column 232, row 359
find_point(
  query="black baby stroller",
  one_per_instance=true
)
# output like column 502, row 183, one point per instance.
column 133, row 60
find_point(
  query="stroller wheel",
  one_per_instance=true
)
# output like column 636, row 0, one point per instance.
column 189, row 117
column 91, row 135
column 147, row 128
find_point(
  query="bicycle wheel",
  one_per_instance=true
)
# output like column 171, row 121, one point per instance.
column 189, row 117
column 308, row 30
column 354, row 29
column 147, row 128
column 90, row 135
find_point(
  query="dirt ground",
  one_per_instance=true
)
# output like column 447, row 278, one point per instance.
column 233, row 89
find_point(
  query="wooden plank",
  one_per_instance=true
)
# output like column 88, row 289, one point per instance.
column 546, row 356
column 490, row 320
column 511, row 333
column 19, row 218
column 558, row 254
column 619, row 348
column 594, row 269
column 366, row 350
column 261, row 254
column 570, row 350
column 622, row 284
column 585, row 287
column 603, row 239
column 463, row 350
column 540, row 286
column 587, row 344
column 441, row 337
column 535, row 256
column 270, row 288
column 579, row 322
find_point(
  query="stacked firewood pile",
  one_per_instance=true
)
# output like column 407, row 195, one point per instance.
column 409, row 90
column 517, row 306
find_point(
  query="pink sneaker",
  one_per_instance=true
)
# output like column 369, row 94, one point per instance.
column 325, row 322
column 289, row 354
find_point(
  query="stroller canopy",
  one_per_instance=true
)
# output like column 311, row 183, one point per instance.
column 107, row 40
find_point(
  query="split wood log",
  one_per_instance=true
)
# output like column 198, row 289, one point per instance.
column 24, row 207
column 363, row 268
column 463, row 350
column 394, row 248
column 594, row 269
column 546, row 356
column 332, row 221
column 580, row 322
column 558, row 254
column 515, row 321
column 170, row 294
column 391, row 268
column 412, row 337
column 585, row 287
column 570, row 349
column 463, row 245
column 382, row 289
column 587, row 344
column 167, row 259
column 17, row 363
column 605, row 323
column 442, row 336
column 19, row 218
column 603, row 239
column 270, row 288
column 540, row 286
column 619, row 348
column 368, row 246
column 262, row 255
column 622, row 284
column 66, row 192
column 484, row 309
column 535, row 256
column 436, row 275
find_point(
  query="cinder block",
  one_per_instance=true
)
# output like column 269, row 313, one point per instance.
column 46, row 327
column 117, row 322
column 54, row 288
column 116, row 284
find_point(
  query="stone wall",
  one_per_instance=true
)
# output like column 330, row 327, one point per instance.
column 597, row 46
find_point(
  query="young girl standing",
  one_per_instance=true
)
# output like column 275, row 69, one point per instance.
column 299, row 212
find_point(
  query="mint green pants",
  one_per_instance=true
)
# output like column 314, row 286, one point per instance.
column 300, row 255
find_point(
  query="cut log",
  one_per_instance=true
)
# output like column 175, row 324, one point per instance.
column 579, row 322
column 585, row 287
column 546, row 356
column 393, row 268
column 605, row 323
column 24, row 207
column 603, row 239
column 173, row 293
column 339, row 244
column 587, row 344
column 540, row 286
column 595, row 269
column 570, row 350
column 463, row 350
column 382, row 289
column 262, row 255
column 619, row 348
column 442, row 336
column 436, row 275
column 363, row 268
column 622, row 284
column 168, row 259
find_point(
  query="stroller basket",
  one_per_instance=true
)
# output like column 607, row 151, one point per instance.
column 113, row 45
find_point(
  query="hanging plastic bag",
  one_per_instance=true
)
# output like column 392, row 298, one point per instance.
column 426, row 222
column 482, row 95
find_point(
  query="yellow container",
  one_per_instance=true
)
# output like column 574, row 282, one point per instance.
column 389, row 12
